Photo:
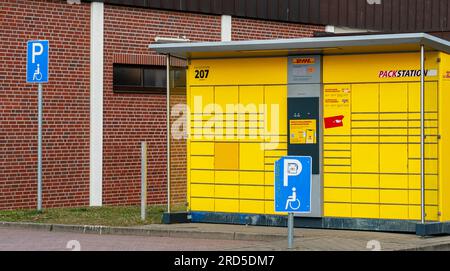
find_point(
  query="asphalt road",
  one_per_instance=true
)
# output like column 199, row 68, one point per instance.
column 35, row 240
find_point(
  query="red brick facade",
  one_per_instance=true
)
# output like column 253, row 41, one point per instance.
column 128, row 118
column 66, row 105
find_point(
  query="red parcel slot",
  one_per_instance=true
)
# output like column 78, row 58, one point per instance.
column 332, row 122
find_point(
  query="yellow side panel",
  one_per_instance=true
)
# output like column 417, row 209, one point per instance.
column 365, row 210
column 202, row 162
column 251, row 206
column 202, row 176
column 251, row 156
column 236, row 71
column 202, row 190
column 394, row 196
column 431, row 182
column 251, row 192
column 431, row 97
column 275, row 97
column 337, row 210
column 336, row 180
column 394, row 181
column 252, row 178
column 226, row 156
column 227, row 191
column 269, row 192
column 269, row 178
column 431, row 213
column 337, row 195
column 366, row 195
column 365, row 98
column 202, row 148
column 226, row 205
column 365, row 158
column 202, row 204
column 444, row 143
column 394, row 212
column 226, row 177
column 365, row 180
column 227, row 95
column 394, row 158
column 394, row 97
column 431, row 197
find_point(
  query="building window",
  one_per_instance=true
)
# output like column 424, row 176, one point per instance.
column 139, row 79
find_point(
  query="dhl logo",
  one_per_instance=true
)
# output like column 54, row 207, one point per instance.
column 303, row 61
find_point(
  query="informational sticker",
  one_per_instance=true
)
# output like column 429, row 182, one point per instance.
column 446, row 75
column 337, row 97
column 333, row 122
column 304, row 69
column 303, row 131
column 201, row 73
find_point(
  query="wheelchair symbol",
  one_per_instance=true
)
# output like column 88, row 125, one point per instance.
column 293, row 202
column 37, row 74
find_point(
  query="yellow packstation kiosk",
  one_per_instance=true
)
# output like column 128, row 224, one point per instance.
column 353, row 103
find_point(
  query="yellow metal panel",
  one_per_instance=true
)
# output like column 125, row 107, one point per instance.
column 251, row 156
column 251, row 206
column 251, row 192
column 365, row 124
column 202, row 190
column 269, row 192
column 394, row 158
column 365, row 210
column 366, row 116
column 394, row 181
column 337, row 210
column 336, row 139
column 337, row 161
column 202, row 204
column 269, row 208
column 336, row 180
column 330, row 146
column 365, row 98
column 365, row 139
column 227, row 191
column 226, row 155
column 365, row 158
column 365, row 195
column 334, row 154
column 202, row 176
column 365, row 180
column 252, row 178
column 251, row 95
column 363, row 132
column 385, row 116
column 387, row 132
column 226, row 205
column 431, row 151
column 444, row 143
column 394, row 212
column 202, row 148
column 431, row 197
column 394, row 124
column 394, row 139
column 431, row 93
column 275, row 153
column 430, row 166
column 394, row 97
column 431, row 213
column 226, row 95
column 431, row 181
column 337, row 195
column 275, row 97
column 374, row 67
column 269, row 178
column 394, row 196
column 414, row 212
column 202, row 162
column 199, row 98
column 226, row 177
column 336, row 169
column 239, row 72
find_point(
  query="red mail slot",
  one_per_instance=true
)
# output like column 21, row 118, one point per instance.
column 332, row 122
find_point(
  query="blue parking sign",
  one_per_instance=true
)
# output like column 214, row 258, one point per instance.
column 37, row 61
column 293, row 184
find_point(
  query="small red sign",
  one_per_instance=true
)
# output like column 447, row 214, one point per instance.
column 333, row 122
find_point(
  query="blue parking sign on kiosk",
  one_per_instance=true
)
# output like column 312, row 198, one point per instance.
column 293, row 188
column 293, row 184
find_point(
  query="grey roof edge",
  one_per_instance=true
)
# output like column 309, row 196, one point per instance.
column 305, row 43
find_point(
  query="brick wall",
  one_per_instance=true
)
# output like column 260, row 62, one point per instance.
column 128, row 118
column 66, row 105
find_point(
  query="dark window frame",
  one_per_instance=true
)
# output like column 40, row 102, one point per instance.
column 142, row 89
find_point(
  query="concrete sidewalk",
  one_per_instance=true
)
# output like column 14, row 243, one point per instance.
column 270, row 238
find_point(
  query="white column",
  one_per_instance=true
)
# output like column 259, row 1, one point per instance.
column 96, row 103
column 226, row 28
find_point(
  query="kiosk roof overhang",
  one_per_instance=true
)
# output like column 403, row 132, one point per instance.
column 321, row 45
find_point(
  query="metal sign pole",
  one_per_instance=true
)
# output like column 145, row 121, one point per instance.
column 290, row 230
column 39, row 172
